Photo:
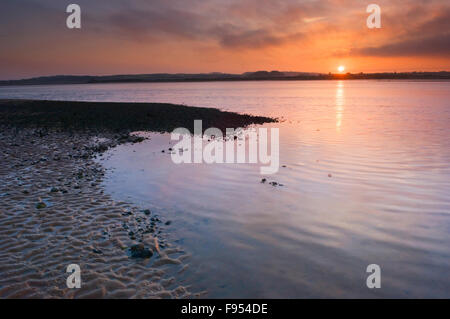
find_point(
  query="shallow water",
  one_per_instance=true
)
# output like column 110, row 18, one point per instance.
column 386, row 145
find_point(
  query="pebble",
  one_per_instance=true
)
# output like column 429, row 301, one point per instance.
column 139, row 251
column 40, row 205
column 146, row 212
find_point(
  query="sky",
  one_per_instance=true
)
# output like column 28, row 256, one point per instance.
column 232, row 36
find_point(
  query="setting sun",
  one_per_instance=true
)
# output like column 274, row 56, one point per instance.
column 341, row 68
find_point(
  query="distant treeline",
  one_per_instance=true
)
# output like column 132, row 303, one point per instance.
column 249, row 76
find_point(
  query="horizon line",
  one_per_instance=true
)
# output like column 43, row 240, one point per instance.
column 287, row 74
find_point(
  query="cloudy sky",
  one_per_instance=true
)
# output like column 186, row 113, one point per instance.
column 149, row 36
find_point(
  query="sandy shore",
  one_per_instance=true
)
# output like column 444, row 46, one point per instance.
column 54, row 211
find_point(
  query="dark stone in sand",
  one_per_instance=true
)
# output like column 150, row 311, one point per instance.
column 40, row 205
column 138, row 139
column 168, row 222
column 54, row 190
column 273, row 183
column 329, row 175
column 263, row 180
column 126, row 138
column 146, row 212
column 139, row 251
column 97, row 251
column 126, row 213
column 101, row 148
column 153, row 222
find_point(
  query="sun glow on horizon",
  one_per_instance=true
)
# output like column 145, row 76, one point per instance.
column 341, row 68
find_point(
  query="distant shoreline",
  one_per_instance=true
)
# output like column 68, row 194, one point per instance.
column 223, row 77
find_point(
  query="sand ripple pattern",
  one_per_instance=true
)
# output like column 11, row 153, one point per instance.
column 78, row 225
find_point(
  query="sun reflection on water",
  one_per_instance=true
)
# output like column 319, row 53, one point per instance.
column 340, row 103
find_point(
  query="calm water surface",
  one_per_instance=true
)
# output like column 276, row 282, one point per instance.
column 386, row 145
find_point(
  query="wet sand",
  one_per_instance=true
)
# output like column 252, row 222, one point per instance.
column 54, row 211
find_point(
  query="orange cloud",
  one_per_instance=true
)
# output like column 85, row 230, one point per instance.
column 233, row 36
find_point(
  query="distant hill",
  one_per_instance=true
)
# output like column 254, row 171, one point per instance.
column 248, row 76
